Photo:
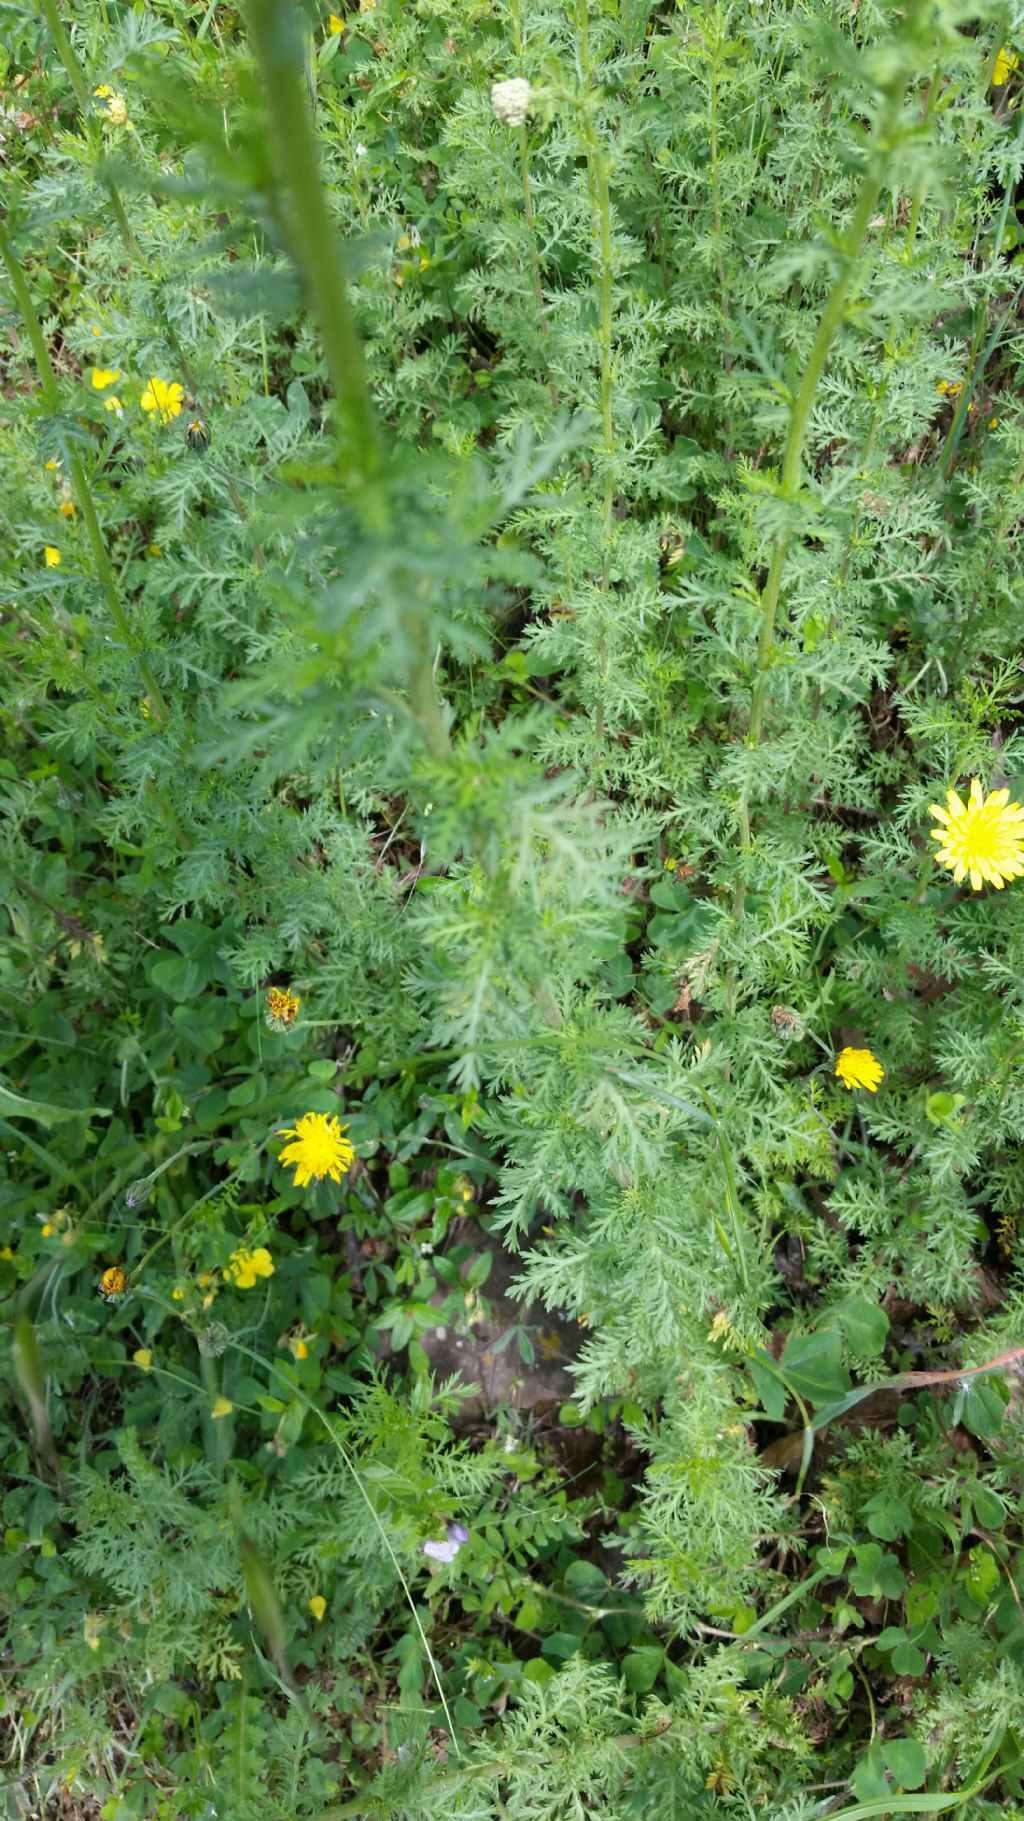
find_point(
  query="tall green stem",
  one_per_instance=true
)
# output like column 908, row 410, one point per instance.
column 524, row 167
column 277, row 41
column 274, row 30
column 79, row 481
column 851, row 247
column 600, row 195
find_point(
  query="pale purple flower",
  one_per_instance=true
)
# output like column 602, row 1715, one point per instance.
column 449, row 1549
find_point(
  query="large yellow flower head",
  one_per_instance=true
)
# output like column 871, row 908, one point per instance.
column 982, row 839
column 320, row 1149
column 164, row 397
column 859, row 1069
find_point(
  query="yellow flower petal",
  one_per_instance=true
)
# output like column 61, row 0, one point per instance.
column 318, row 1606
column 222, row 1406
column 320, row 1149
column 51, row 556
column 859, row 1069
column 335, row 25
column 245, row 1267
column 982, row 839
column 143, row 1358
column 104, row 376
column 165, row 397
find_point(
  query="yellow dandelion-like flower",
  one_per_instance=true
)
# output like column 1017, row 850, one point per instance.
column 66, row 508
column 143, row 1358
column 318, row 1606
column 52, row 465
column 1006, row 62
column 320, row 1149
column 282, row 1008
column 221, row 1406
column 102, row 377
column 51, row 556
column 334, row 24
column 982, row 839
column 244, row 1268
column 113, row 1283
column 164, row 397
column 859, row 1069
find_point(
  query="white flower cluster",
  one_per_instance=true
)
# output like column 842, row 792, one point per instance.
column 510, row 100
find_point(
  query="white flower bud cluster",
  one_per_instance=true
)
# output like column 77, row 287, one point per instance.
column 510, row 100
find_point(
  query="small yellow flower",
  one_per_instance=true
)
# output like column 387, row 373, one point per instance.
column 66, row 508
column 143, row 1358
column 222, row 1406
column 154, row 550
column 163, row 396
column 335, row 25
column 298, row 1347
column 177, row 1294
column 52, row 465
column 282, row 1008
column 96, row 330
column 48, row 1230
column 859, row 1069
column 145, row 708
column 245, row 1267
column 982, row 839
column 1006, row 62
column 102, row 377
column 51, row 556
column 6, row 1252
column 993, row 423
column 115, row 108
column 113, row 1283
column 318, row 1606
column 949, row 388
column 320, row 1149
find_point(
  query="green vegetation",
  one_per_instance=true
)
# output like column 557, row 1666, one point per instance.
column 513, row 524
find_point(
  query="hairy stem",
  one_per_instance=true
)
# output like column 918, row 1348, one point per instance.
column 600, row 195
column 277, row 41
column 851, row 247
column 275, row 30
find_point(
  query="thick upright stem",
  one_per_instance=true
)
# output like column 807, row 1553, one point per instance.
column 276, row 35
column 600, row 194
column 799, row 420
column 276, row 32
